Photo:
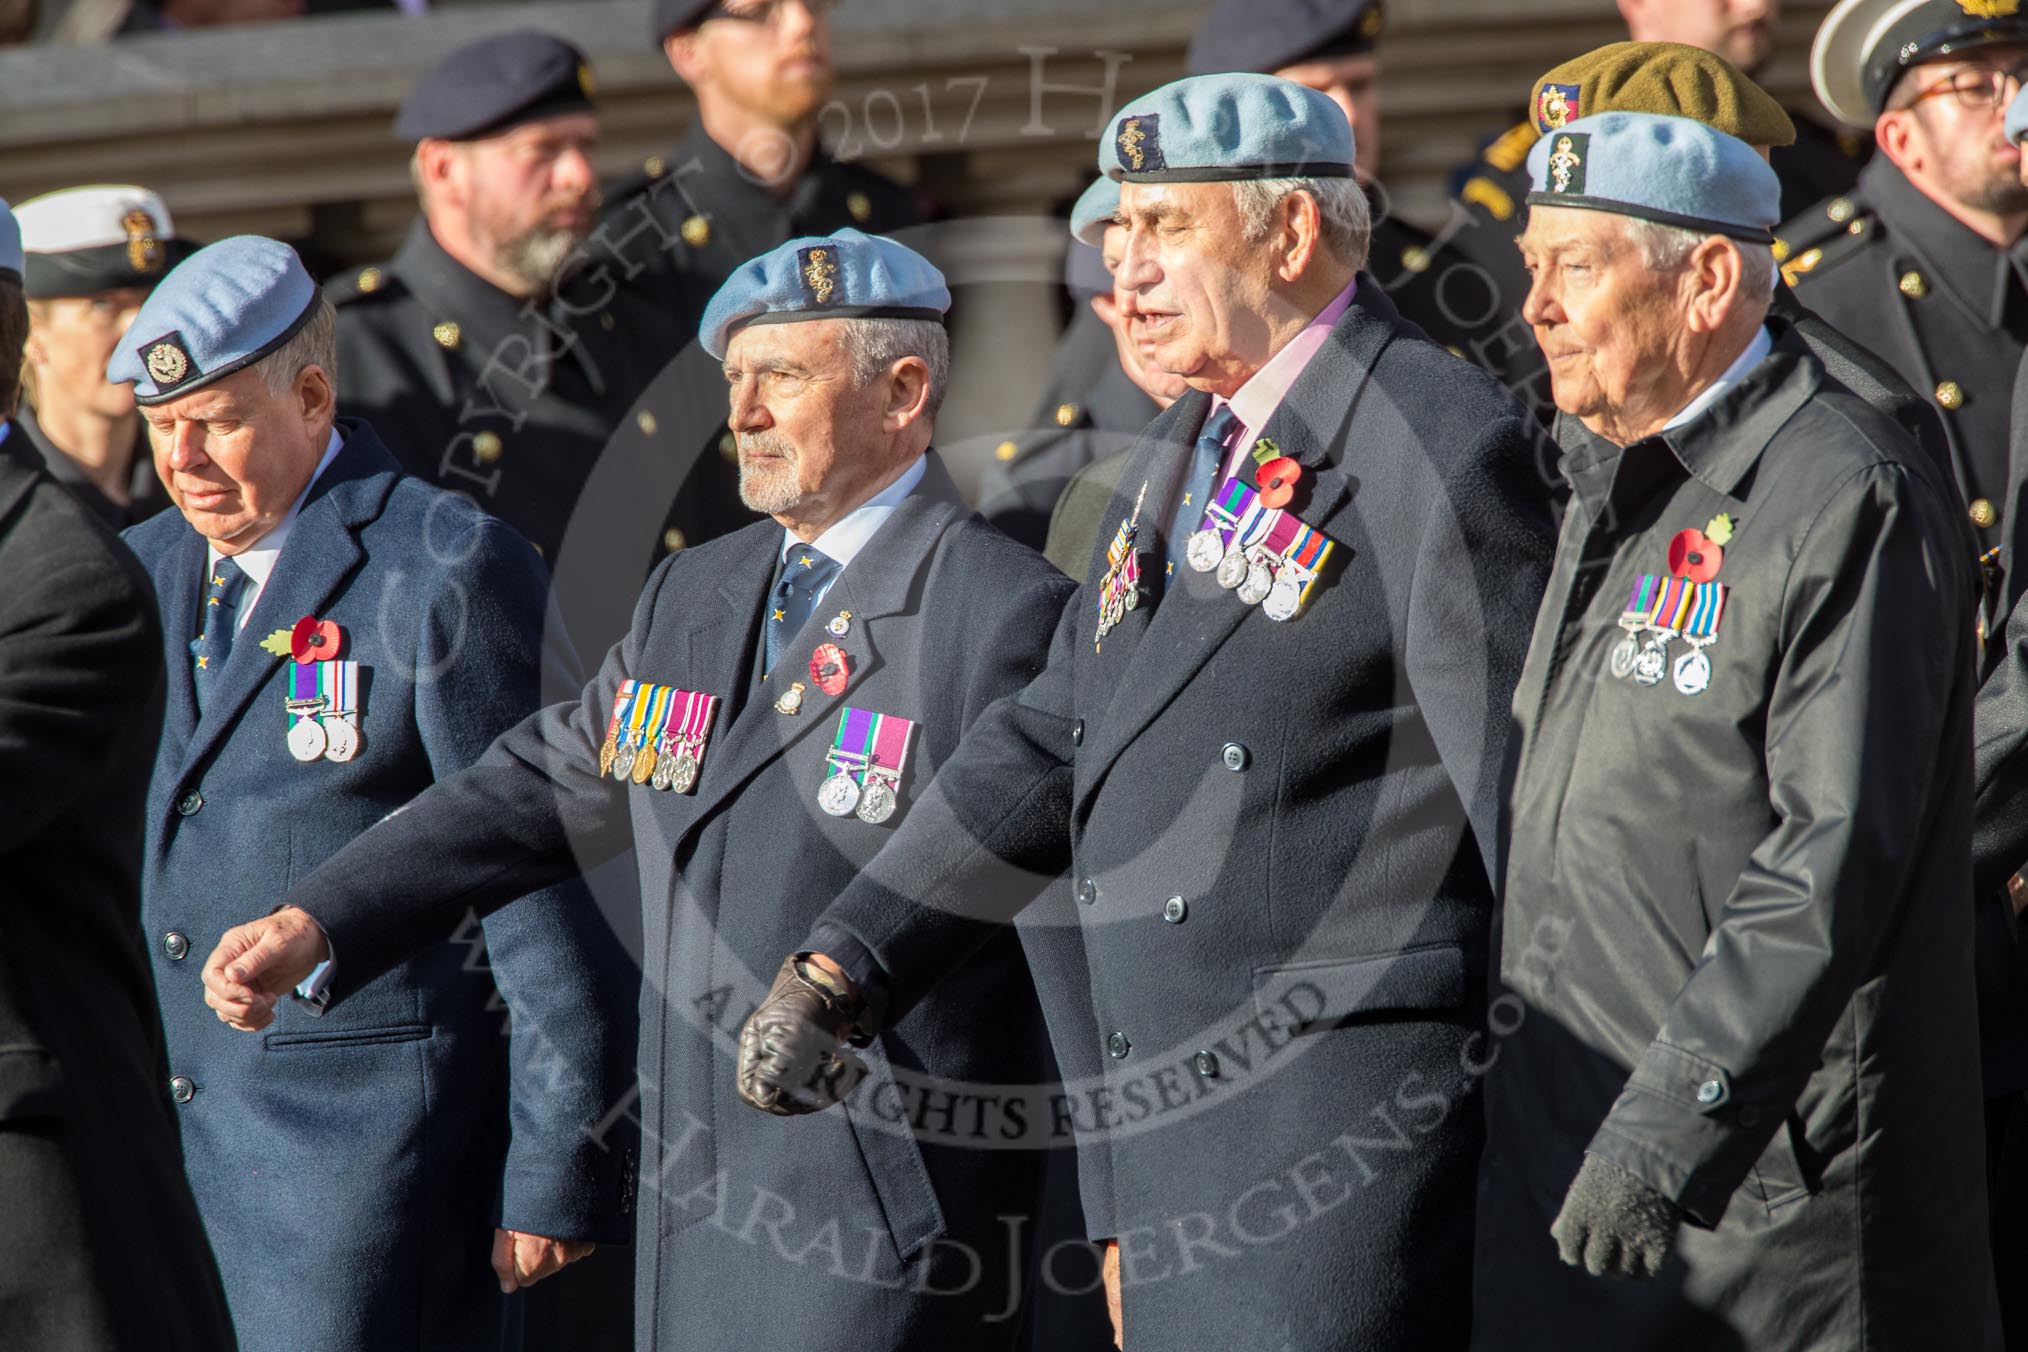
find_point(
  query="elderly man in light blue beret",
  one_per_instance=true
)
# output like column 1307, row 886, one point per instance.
column 1267, row 750
column 339, row 635
column 781, row 705
column 1741, row 1060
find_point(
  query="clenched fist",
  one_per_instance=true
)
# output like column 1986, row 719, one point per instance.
column 256, row 964
column 793, row 1050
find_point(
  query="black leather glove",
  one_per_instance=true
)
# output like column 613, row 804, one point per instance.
column 1614, row 1225
column 793, row 1049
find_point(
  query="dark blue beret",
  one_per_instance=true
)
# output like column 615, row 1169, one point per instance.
column 495, row 84
column 672, row 16
column 1263, row 36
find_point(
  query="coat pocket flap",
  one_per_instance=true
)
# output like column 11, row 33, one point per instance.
column 1322, row 992
column 893, row 1159
column 31, row 1084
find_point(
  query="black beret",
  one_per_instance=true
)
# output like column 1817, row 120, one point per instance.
column 672, row 16
column 494, row 84
column 1264, row 36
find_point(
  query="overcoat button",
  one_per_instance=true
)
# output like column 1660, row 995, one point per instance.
column 1118, row 1046
column 176, row 946
column 189, row 804
column 1077, row 733
column 1234, row 756
column 1710, row 1093
column 181, row 1089
column 1206, row 1065
column 1175, row 909
column 1087, row 892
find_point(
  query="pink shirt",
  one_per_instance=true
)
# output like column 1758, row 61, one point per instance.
column 1255, row 402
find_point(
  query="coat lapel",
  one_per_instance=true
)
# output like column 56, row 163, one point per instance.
column 321, row 554
column 181, row 590
column 1196, row 616
column 878, row 584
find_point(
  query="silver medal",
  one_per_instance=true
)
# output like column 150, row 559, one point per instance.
column 1259, row 582
column 1624, row 654
column 839, row 795
column 660, row 779
column 1232, row 570
column 623, row 764
column 1130, row 599
column 683, row 775
column 1651, row 666
column 1693, row 673
column 307, row 740
column 877, row 804
column 1204, row 550
column 1284, row 599
column 341, row 735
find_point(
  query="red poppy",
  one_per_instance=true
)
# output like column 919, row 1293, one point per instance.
column 829, row 668
column 1693, row 555
column 1277, row 479
column 315, row 640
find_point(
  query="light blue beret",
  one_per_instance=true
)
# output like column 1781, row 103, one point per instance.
column 10, row 242
column 1670, row 170
column 1094, row 212
column 2017, row 117
column 1218, row 128
column 223, row 308
column 848, row 275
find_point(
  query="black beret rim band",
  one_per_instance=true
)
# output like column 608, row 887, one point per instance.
column 237, row 363
column 1730, row 229
column 838, row 312
column 1236, row 173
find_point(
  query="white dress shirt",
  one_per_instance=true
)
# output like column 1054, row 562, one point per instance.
column 258, row 562
column 846, row 538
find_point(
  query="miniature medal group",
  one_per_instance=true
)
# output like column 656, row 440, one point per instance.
column 1248, row 537
column 1687, row 603
column 321, row 693
column 657, row 735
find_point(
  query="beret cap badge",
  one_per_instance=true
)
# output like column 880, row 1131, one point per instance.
column 1566, row 165
column 144, row 251
column 1557, row 105
column 168, row 364
column 820, row 273
column 1139, row 146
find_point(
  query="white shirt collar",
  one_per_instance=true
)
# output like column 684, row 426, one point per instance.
column 845, row 538
column 1742, row 365
column 259, row 561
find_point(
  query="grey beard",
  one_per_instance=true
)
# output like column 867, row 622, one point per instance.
column 768, row 496
column 537, row 256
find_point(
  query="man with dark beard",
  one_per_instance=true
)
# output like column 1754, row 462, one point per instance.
column 492, row 357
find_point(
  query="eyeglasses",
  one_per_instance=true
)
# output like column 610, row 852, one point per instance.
column 1978, row 86
column 768, row 12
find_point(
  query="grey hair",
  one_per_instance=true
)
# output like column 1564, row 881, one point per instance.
column 1665, row 248
column 1341, row 202
column 315, row 344
column 874, row 345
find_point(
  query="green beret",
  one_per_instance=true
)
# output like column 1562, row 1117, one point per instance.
column 1672, row 79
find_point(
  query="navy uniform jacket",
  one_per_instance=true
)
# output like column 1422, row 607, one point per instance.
column 145, row 494
column 676, row 229
column 1282, row 836
column 1941, row 305
column 351, row 1168
column 1737, row 930
column 101, row 1249
column 515, row 404
column 760, row 1232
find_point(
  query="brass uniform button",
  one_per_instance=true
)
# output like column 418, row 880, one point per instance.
column 1415, row 258
column 487, row 446
column 673, row 539
column 1006, row 451
column 447, row 335
column 1857, row 227
column 1913, row 286
column 646, row 422
column 696, row 231
column 1066, row 414
column 1781, row 248
column 860, row 205
column 369, row 281
column 1983, row 514
column 1839, row 209
column 654, row 166
column 728, row 446
column 1951, row 395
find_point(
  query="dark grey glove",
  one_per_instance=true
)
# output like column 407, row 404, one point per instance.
column 1614, row 1225
column 793, row 1049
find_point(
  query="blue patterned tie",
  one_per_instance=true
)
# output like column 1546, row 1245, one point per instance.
column 1205, row 459
column 804, row 575
column 219, row 620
